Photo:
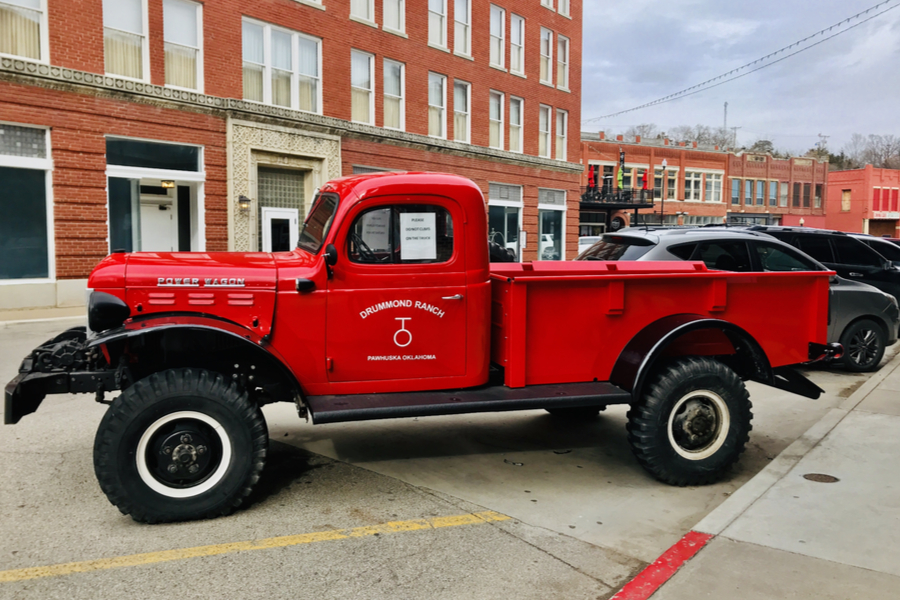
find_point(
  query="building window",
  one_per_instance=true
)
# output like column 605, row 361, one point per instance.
column 516, row 44
column 546, row 56
column 23, row 27
column 735, row 191
column 657, row 183
column 437, row 98
column 562, row 62
column 713, row 188
column 394, row 15
column 182, row 32
column 783, row 195
column 25, row 228
column 362, row 87
column 562, row 127
column 760, row 192
column 363, row 9
column 806, row 191
column 672, row 186
column 748, row 192
column 462, row 32
column 773, row 193
column 437, row 23
column 461, row 100
column 796, row 198
column 394, row 84
column 845, row 200
column 281, row 67
column 563, row 7
column 124, row 38
column 692, row 182
column 544, row 132
column 515, row 124
column 551, row 224
column 547, row 3
column 498, row 18
column 496, row 120
column 818, row 197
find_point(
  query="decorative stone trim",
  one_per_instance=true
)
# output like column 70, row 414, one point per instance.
column 22, row 71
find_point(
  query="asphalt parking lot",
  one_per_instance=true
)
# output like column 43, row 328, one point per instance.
column 515, row 505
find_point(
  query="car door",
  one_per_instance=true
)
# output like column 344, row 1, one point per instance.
column 864, row 264
column 397, row 301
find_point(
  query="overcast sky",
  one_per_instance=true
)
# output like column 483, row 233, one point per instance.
column 638, row 51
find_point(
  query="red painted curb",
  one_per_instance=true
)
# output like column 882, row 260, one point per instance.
column 650, row 579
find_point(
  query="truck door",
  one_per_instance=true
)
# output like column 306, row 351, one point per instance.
column 397, row 299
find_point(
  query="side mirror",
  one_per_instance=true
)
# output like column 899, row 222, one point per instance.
column 331, row 255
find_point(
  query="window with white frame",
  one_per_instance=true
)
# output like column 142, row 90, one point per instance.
column 547, row 3
column 23, row 28
column 516, row 44
column 394, row 15
column 125, row 38
column 515, row 124
column 562, row 62
column 362, row 87
column 437, row 23
column 562, row 125
column 281, row 67
column 25, row 241
column 437, row 100
column 363, row 9
column 546, row 56
column 182, row 33
column 544, row 132
column 551, row 224
column 462, row 31
column 498, row 18
column 462, row 94
column 394, row 84
column 713, row 187
column 563, row 7
column 692, row 183
column 495, row 114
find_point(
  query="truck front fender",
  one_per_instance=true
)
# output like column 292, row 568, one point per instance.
column 644, row 350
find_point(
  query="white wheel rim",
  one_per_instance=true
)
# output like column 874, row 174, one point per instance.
column 172, row 492
column 723, row 424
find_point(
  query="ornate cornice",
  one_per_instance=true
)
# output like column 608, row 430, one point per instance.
column 60, row 78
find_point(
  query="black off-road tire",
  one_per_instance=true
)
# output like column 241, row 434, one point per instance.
column 191, row 415
column 692, row 423
column 864, row 343
column 578, row 413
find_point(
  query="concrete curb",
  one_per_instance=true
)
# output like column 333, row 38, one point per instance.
column 49, row 320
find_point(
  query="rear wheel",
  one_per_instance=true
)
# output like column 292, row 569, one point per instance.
column 864, row 343
column 692, row 424
column 180, row 445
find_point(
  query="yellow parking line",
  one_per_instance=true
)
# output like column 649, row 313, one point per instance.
column 134, row 560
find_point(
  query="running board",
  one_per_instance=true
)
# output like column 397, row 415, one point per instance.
column 362, row 407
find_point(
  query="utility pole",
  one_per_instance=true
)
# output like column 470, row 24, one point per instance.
column 823, row 145
column 734, row 137
column 725, row 127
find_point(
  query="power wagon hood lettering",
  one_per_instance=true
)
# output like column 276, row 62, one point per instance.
column 197, row 282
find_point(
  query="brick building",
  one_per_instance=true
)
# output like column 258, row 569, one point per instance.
column 686, row 184
column 138, row 124
column 864, row 201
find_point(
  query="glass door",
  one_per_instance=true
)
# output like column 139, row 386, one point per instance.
column 504, row 223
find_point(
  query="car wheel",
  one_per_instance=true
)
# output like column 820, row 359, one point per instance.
column 179, row 445
column 864, row 343
column 692, row 423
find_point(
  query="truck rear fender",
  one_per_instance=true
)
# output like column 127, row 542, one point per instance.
column 663, row 337
column 164, row 342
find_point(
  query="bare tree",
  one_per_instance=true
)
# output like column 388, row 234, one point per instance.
column 882, row 151
column 645, row 130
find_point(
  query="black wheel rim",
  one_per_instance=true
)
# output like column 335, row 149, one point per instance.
column 183, row 453
column 863, row 347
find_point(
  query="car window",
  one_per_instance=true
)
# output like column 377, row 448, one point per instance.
column 887, row 249
column 617, row 247
column 778, row 258
column 816, row 246
column 684, row 251
column 724, row 256
column 853, row 252
column 401, row 234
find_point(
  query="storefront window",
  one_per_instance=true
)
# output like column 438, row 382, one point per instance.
column 551, row 224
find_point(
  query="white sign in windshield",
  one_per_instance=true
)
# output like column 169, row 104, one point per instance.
column 418, row 236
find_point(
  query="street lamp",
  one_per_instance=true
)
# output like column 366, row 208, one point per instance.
column 662, row 209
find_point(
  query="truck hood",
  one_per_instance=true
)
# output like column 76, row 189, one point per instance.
column 217, row 270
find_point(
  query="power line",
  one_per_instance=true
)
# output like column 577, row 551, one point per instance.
column 702, row 87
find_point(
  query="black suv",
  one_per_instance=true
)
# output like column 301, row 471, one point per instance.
column 845, row 254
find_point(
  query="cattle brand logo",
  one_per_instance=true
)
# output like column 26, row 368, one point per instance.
column 197, row 282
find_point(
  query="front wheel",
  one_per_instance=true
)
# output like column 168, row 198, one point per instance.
column 864, row 343
column 692, row 424
column 180, row 445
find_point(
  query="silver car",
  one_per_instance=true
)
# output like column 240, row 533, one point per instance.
column 862, row 318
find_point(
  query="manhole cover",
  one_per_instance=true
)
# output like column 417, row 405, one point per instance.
column 821, row 478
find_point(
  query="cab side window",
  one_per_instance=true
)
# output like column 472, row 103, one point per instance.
column 776, row 258
column 816, row 246
column 401, row 234
column 724, row 256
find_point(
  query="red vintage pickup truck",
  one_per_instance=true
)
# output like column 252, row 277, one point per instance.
column 389, row 307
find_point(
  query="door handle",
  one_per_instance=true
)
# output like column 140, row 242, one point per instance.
column 856, row 274
column 456, row 297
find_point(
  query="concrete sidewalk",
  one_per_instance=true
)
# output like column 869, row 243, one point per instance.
column 783, row 535
column 10, row 316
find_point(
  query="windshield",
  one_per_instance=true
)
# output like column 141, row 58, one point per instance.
column 317, row 223
column 617, row 247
